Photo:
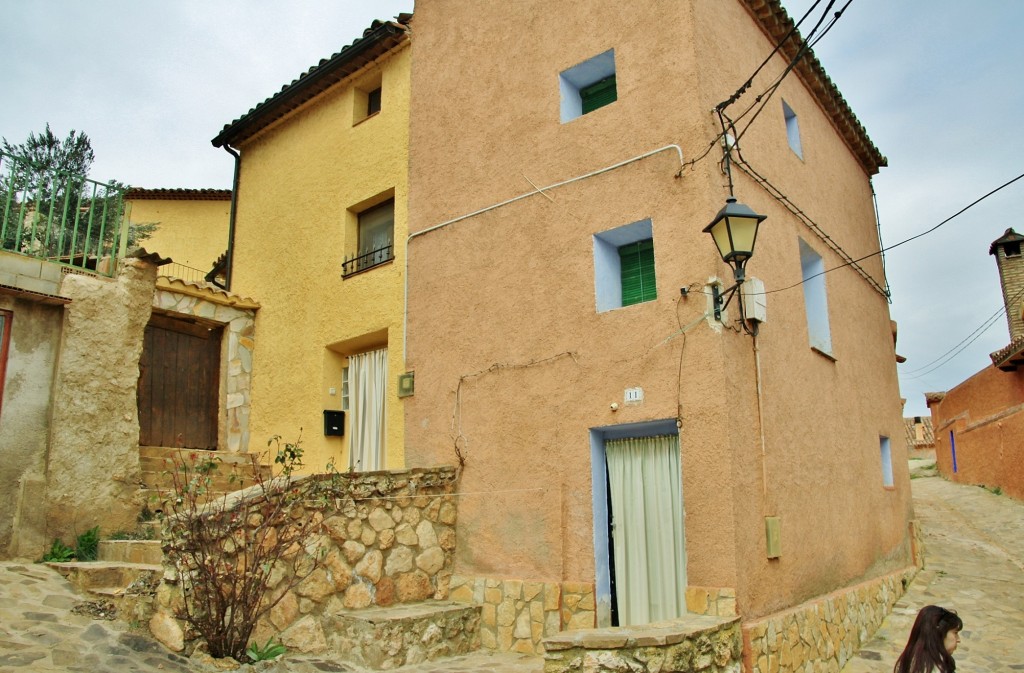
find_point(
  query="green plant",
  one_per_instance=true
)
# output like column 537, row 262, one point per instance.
column 145, row 514
column 141, row 533
column 87, row 544
column 270, row 650
column 995, row 490
column 59, row 553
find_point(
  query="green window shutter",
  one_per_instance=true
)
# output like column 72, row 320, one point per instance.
column 637, row 263
column 598, row 94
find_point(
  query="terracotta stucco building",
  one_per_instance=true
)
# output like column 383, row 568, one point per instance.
column 541, row 196
column 979, row 423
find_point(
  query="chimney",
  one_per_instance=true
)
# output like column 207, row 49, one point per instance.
column 1007, row 250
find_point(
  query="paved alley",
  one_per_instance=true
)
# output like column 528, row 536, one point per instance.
column 974, row 565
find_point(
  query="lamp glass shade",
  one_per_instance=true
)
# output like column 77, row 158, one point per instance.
column 735, row 231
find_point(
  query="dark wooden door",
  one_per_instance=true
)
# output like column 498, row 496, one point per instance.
column 179, row 384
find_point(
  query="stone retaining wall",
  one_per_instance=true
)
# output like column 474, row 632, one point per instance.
column 518, row 614
column 694, row 643
column 386, row 538
column 711, row 601
column 825, row 632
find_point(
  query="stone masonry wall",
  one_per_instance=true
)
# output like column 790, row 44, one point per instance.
column 518, row 614
column 823, row 633
column 697, row 644
column 387, row 538
column 92, row 470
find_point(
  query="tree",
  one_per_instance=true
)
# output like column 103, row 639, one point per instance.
column 49, row 205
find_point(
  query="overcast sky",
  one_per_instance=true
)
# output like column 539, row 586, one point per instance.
column 937, row 84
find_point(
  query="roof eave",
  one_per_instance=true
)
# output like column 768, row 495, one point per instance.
column 776, row 23
column 349, row 60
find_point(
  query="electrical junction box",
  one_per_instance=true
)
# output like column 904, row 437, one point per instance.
column 755, row 304
column 773, row 536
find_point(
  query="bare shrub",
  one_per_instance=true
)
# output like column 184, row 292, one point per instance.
column 238, row 554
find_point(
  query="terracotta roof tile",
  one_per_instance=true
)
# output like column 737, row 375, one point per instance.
column 927, row 438
column 140, row 194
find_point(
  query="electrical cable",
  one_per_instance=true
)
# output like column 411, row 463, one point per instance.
column 906, row 240
column 805, row 47
column 750, row 80
column 966, row 341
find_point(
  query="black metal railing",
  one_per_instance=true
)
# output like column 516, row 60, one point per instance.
column 367, row 260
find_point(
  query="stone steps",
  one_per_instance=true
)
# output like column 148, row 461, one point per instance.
column 400, row 635
column 131, row 551
column 130, row 587
column 234, row 470
column 103, row 577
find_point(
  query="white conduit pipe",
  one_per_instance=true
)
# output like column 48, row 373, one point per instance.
column 537, row 190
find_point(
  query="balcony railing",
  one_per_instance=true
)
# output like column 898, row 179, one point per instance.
column 60, row 217
column 367, row 260
column 184, row 272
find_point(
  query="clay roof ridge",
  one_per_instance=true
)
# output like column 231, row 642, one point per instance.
column 1015, row 347
column 177, row 193
column 205, row 286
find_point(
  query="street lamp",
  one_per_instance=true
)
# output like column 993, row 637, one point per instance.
column 735, row 231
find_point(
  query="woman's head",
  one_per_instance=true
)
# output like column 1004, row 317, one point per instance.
column 933, row 639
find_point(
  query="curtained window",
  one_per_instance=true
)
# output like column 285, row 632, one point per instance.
column 368, row 375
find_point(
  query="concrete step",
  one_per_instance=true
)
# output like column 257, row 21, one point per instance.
column 234, row 470
column 89, row 575
column 131, row 551
column 156, row 498
column 411, row 633
column 157, row 454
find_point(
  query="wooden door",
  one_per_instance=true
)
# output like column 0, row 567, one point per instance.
column 179, row 377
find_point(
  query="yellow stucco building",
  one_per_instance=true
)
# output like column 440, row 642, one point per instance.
column 191, row 226
column 317, row 237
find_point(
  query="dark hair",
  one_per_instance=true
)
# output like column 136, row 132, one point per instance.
column 926, row 650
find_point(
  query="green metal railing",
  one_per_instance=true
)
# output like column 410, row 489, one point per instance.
column 60, row 217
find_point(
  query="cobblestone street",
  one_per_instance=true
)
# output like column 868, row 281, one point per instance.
column 974, row 565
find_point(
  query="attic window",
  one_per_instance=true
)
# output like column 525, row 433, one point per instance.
column 1012, row 248
column 792, row 130
column 373, row 102
column 367, row 97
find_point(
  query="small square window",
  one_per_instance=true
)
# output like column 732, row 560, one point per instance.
column 374, row 239
column 373, row 102
column 588, row 86
column 367, row 97
column 792, row 130
column 812, row 270
column 885, row 451
column 624, row 266
column 1011, row 249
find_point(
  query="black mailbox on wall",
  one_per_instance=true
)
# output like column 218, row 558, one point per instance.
column 334, row 423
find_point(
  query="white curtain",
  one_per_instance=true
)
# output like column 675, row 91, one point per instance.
column 368, row 376
column 647, row 528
